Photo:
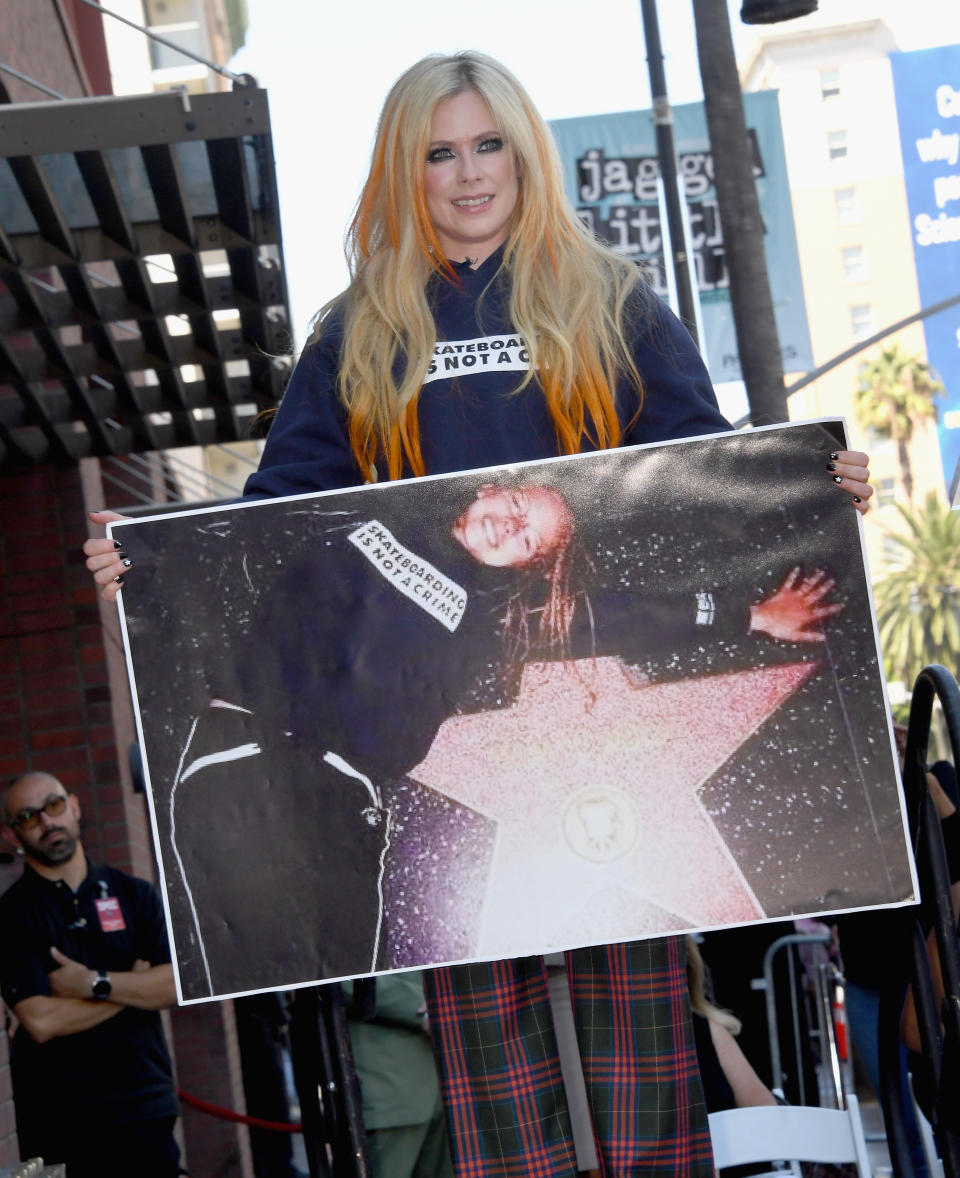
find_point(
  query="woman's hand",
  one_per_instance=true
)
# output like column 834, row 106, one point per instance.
column 791, row 612
column 850, row 470
column 106, row 558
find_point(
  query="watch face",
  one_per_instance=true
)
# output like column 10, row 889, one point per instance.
column 102, row 987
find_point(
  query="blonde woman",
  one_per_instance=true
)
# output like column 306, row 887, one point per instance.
column 729, row 1080
column 483, row 325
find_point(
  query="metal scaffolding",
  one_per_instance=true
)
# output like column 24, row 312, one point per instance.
column 143, row 303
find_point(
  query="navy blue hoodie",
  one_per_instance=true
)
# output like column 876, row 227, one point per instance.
column 469, row 412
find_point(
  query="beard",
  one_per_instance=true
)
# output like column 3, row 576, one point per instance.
column 53, row 850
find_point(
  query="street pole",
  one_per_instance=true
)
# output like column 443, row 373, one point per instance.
column 743, row 244
column 667, row 155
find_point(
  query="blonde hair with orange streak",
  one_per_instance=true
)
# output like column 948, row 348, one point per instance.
column 568, row 292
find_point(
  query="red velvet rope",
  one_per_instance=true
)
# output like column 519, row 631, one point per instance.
column 226, row 1114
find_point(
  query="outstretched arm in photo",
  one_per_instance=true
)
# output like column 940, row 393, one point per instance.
column 793, row 613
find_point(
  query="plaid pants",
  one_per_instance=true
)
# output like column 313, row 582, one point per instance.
column 500, row 1072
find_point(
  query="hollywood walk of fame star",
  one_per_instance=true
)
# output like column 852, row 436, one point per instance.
column 592, row 777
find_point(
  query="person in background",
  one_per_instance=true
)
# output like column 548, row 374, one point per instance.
column 86, row 970
column 729, row 1080
column 402, row 1110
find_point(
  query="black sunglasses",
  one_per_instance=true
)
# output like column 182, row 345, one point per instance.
column 28, row 818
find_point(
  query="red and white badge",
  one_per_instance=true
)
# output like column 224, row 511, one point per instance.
column 111, row 918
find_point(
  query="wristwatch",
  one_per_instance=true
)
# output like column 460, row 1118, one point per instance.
column 101, row 985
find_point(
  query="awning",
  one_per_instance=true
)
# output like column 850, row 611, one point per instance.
column 143, row 303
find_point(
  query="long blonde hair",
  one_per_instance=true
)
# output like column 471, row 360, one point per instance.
column 568, row 292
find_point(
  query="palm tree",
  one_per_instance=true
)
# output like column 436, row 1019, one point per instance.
column 918, row 606
column 896, row 391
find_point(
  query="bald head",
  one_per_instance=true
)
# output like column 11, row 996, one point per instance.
column 44, row 821
column 27, row 783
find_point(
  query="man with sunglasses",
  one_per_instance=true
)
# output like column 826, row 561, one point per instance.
column 85, row 967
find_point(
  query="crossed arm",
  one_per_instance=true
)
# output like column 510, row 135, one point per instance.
column 69, row 1009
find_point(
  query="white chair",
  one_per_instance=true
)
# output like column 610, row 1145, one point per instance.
column 742, row 1136
column 932, row 1158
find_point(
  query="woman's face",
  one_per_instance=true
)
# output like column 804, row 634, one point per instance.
column 470, row 178
column 513, row 527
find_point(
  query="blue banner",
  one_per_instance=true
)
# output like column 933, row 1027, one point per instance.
column 927, row 88
column 612, row 176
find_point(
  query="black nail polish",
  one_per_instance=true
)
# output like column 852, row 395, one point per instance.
column 118, row 543
column 118, row 580
column 127, row 563
column 837, row 479
column 857, row 499
column 834, row 454
column 831, row 466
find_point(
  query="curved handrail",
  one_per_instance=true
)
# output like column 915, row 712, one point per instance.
column 939, row 1028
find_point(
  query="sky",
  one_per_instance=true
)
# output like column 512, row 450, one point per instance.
column 327, row 67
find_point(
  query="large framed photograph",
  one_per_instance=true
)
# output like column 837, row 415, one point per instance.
column 512, row 711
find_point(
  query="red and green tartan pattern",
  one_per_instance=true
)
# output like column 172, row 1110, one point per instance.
column 500, row 1071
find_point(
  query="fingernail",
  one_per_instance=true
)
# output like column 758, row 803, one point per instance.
column 837, row 479
column 118, row 544
column 857, row 499
column 119, row 580
column 128, row 562
column 834, row 454
column 831, row 466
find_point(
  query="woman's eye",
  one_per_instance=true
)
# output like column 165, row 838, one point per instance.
column 438, row 154
column 493, row 144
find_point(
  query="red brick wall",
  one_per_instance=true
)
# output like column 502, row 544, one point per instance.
column 65, row 709
column 91, row 44
column 36, row 42
column 54, row 690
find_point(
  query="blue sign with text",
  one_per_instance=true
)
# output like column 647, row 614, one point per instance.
column 612, row 176
column 927, row 88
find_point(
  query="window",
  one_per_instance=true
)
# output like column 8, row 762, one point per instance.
column 892, row 552
column 847, row 204
column 877, row 443
column 856, row 268
column 829, row 84
column 188, row 34
column 168, row 12
column 836, row 144
column 886, row 494
column 180, row 21
column 861, row 320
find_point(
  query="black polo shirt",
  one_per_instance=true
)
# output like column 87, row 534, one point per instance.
column 118, row 1071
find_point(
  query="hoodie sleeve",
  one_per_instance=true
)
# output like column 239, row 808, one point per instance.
column 678, row 398
column 637, row 626
column 308, row 447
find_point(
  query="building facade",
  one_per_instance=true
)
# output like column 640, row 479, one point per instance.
column 839, row 118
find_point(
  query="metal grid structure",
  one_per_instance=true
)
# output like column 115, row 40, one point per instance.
column 143, row 303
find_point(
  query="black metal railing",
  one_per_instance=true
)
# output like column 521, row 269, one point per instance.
column 937, row 1072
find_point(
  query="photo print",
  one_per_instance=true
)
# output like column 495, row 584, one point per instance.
column 512, row 711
